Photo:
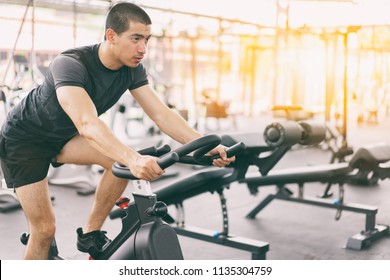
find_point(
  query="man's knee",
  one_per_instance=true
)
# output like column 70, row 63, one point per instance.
column 44, row 229
column 36, row 203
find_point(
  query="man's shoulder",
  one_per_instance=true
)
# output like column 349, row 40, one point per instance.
column 79, row 51
column 78, row 57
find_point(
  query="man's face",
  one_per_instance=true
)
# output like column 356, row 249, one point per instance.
column 130, row 46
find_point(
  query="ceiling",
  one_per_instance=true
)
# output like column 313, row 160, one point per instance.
column 101, row 6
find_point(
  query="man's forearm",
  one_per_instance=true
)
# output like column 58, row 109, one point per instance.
column 177, row 128
column 99, row 135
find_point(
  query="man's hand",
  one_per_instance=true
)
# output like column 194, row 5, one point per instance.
column 224, row 160
column 145, row 168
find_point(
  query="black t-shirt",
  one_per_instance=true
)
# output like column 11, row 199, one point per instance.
column 39, row 116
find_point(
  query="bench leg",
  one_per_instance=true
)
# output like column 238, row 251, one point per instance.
column 252, row 214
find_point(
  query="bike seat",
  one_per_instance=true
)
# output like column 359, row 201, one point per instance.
column 209, row 179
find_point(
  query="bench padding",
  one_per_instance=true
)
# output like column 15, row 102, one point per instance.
column 195, row 183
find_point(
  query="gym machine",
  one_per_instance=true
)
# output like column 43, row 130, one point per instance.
column 215, row 180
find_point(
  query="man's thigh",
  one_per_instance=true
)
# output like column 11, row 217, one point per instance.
column 36, row 202
column 79, row 151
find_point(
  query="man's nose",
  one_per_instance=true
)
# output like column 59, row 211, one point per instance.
column 142, row 48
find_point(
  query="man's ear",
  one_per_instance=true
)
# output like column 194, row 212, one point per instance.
column 110, row 35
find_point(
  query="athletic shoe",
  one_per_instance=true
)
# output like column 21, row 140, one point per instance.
column 94, row 241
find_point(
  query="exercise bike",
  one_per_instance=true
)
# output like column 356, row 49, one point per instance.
column 144, row 234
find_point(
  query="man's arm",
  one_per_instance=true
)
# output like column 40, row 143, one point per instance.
column 172, row 123
column 167, row 120
column 79, row 107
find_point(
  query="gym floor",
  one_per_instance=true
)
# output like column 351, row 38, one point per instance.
column 294, row 231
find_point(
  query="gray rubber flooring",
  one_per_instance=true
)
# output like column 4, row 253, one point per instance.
column 294, row 231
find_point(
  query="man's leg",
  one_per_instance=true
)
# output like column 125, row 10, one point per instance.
column 110, row 188
column 36, row 203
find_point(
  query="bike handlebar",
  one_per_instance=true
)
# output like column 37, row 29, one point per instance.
column 155, row 151
column 201, row 159
column 199, row 146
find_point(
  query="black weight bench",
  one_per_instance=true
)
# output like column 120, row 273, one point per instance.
column 278, row 139
column 196, row 183
column 298, row 175
column 202, row 181
column 366, row 167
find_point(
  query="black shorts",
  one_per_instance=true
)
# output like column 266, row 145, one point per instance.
column 26, row 162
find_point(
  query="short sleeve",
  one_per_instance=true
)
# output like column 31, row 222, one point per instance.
column 68, row 71
column 140, row 77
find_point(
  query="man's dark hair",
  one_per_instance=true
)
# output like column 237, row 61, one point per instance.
column 121, row 14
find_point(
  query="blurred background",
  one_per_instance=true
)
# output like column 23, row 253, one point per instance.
column 299, row 58
column 224, row 66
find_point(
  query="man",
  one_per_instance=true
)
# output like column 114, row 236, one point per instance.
column 59, row 120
